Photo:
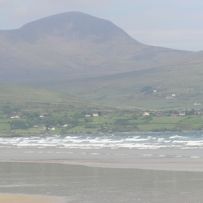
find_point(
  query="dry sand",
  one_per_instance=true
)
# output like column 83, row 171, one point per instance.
column 11, row 198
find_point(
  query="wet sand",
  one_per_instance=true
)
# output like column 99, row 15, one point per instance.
column 11, row 198
column 103, row 175
column 161, row 159
column 81, row 184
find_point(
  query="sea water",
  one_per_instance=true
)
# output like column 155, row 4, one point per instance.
column 150, row 140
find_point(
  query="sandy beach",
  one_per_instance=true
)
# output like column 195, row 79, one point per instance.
column 18, row 198
column 81, row 184
column 161, row 159
column 101, row 175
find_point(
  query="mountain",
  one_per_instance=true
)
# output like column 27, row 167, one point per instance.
column 62, row 46
column 91, row 57
column 70, row 26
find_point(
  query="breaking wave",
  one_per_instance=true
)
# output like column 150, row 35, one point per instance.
column 118, row 140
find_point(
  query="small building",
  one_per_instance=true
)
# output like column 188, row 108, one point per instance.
column 182, row 114
column 95, row 115
column 15, row 117
column 197, row 104
column 88, row 115
column 146, row 114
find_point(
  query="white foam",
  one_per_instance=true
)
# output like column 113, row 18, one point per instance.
column 177, row 137
column 195, row 157
column 147, row 155
column 126, row 140
column 194, row 143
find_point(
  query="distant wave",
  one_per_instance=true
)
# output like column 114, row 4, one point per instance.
column 114, row 141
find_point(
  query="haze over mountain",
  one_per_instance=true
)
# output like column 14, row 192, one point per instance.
column 95, row 59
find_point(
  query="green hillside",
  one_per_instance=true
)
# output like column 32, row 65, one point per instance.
column 169, row 88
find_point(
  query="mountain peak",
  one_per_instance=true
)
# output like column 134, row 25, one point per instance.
column 73, row 25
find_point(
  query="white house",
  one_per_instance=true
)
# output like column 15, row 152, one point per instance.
column 146, row 114
column 95, row 114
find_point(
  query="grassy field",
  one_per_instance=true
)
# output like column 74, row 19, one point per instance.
column 105, row 123
column 146, row 89
column 32, row 111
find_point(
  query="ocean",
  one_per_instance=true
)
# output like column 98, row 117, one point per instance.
column 139, row 140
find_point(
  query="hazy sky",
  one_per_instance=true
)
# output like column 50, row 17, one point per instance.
column 170, row 23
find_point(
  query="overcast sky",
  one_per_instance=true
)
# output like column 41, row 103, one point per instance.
column 170, row 23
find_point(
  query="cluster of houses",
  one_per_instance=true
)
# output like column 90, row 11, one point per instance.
column 95, row 114
column 174, row 113
column 16, row 115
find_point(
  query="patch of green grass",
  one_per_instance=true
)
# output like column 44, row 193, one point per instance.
column 191, row 123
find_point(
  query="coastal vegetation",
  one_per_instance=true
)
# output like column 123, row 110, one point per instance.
column 19, row 121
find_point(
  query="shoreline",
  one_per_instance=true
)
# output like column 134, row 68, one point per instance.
column 154, row 165
column 162, row 159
